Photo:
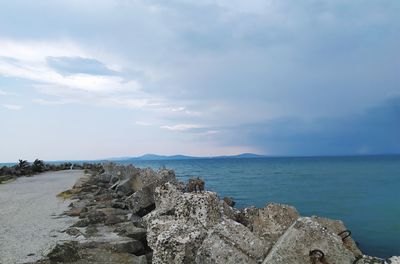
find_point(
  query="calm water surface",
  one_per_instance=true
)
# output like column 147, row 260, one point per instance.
column 364, row 192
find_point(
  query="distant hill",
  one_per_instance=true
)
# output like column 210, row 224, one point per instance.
column 183, row 157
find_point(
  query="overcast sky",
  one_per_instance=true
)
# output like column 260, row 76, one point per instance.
column 105, row 78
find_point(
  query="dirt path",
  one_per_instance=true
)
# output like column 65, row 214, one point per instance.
column 29, row 210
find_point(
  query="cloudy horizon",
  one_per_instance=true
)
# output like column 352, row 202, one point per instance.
column 109, row 78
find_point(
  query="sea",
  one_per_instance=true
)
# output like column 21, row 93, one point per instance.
column 362, row 191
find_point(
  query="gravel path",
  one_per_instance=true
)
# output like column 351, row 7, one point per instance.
column 29, row 215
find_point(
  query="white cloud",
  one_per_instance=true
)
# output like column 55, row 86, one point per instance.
column 182, row 127
column 13, row 107
column 27, row 60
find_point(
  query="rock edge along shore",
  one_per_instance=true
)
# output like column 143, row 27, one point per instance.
column 131, row 215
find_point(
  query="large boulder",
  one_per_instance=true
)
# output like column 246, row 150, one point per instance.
column 66, row 252
column 128, row 229
column 127, row 246
column 394, row 260
column 180, row 222
column 199, row 207
column 337, row 227
column 273, row 220
column 178, row 243
column 166, row 199
column 305, row 236
column 142, row 201
column 231, row 242
column 229, row 211
column 246, row 216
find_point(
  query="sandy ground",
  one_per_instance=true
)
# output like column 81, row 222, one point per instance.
column 29, row 215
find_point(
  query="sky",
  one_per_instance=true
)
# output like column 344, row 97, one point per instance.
column 108, row 78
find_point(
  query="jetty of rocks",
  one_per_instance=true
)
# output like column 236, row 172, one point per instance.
column 131, row 215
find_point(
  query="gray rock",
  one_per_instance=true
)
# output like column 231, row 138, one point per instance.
column 304, row 236
column 141, row 260
column 273, row 220
column 337, row 226
column 229, row 211
column 174, row 241
column 143, row 200
column 66, row 252
column 95, row 217
column 106, row 256
column 247, row 215
column 124, row 187
column 114, row 219
column 127, row 246
column 166, row 198
column 105, row 178
column 394, row 260
column 229, row 201
column 136, row 220
column 199, row 207
column 128, row 229
column 72, row 231
column 231, row 242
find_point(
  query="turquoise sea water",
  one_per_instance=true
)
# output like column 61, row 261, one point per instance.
column 364, row 192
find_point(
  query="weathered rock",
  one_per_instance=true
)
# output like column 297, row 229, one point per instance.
column 105, row 177
column 337, row 227
column 127, row 246
column 114, row 219
column 180, row 222
column 247, row 215
column 229, row 201
column 136, row 220
column 72, row 231
column 142, row 201
column 91, row 231
column 304, row 236
column 273, row 220
column 124, row 187
column 231, row 242
column 66, row 252
column 128, row 229
column 95, row 217
column 81, row 223
column 174, row 241
column 229, row 211
column 394, row 260
column 76, row 211
column 199, row 207
column 105, row 256
column 118, row 203
column 364, row 259
column 113, row 211
column 166, row 198
column 142, row 259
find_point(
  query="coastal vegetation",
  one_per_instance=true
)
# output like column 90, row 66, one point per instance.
column 25, row 168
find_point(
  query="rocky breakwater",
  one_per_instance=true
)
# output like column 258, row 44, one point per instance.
column 131, row 215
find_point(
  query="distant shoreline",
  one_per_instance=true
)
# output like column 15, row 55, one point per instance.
column 188, row 158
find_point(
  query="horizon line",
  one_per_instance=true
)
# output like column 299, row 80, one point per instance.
column 260, row 156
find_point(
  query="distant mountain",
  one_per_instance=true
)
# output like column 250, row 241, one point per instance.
column 183, row 157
